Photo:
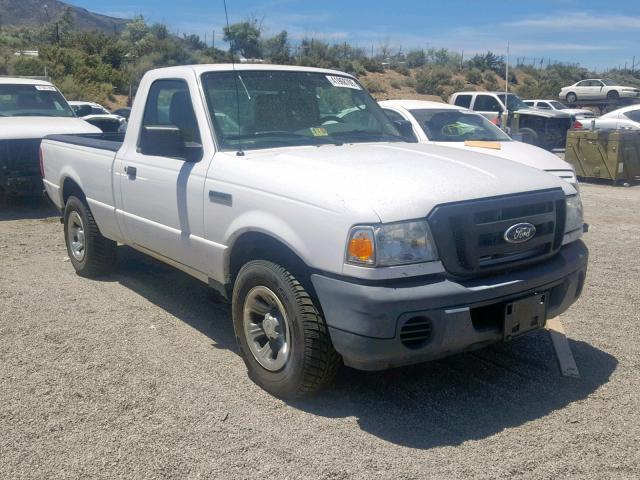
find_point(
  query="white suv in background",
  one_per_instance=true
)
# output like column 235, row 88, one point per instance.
column 597, row 89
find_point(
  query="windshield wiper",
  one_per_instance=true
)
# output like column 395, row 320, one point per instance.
column 274, row 133
column 367, row 134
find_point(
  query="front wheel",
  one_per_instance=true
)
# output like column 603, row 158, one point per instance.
column 571, row 97
column 91, row 254
column 613, row 95
column 283, row 338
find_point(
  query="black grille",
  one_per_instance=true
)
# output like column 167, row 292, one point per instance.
column 19, row 156
column 416, row 332
column 470, row 235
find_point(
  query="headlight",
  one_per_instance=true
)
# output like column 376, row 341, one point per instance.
column 574, row 214
column 391, row 244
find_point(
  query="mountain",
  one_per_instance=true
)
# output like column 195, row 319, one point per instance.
column 19, row 13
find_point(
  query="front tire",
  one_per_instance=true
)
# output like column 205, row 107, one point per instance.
column 571, row 97
column 613, row 95
column 283, row 339
column 91, row 254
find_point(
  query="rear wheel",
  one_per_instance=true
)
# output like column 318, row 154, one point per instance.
column 283, row 338
column 613, row 95
column 571, row 97
column 90, row 253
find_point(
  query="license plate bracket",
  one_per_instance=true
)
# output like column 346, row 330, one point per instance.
column 524, row 315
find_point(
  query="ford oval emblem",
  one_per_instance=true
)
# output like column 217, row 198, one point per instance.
column 520, row 233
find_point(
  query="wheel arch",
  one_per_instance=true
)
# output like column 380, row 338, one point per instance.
column 70, row 186
column 259, row 245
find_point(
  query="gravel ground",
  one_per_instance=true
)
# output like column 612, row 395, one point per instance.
column 138, row 376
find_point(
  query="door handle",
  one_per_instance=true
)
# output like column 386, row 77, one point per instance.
column 131, row 172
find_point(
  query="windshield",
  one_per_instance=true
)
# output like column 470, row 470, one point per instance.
column 32, row 101
column 558, row 105
column 609, row 83
column 513, row 102
column 446, row 125
column 264, row 109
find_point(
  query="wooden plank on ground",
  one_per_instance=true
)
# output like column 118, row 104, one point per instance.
column 567, row 363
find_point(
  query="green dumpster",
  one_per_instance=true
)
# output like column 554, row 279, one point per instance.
column 605, row 154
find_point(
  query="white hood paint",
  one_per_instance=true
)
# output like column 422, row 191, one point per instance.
column 520, row 152
column 398, row 181
column 13, row 128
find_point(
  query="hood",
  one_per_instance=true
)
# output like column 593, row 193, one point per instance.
column 544, row 113
column 38, row 127
column 398, row 181
column 520, row 152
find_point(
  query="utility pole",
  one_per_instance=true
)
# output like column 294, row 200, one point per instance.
column 633, row 64
column 213, row 39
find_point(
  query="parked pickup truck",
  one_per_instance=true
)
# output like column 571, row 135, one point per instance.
column 543, row 128
column 29, row 110
column 334, row 238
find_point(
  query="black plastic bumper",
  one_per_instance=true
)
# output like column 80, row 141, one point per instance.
column 365, row 320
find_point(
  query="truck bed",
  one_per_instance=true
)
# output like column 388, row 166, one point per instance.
column 102, row 141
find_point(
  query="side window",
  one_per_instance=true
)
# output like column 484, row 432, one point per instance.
column 583, row 83
column 633, row 115
column 463, row 101
column 393, row 116
column 169, row 105
column 544, row 106
column 529, row 102
column 487, row 103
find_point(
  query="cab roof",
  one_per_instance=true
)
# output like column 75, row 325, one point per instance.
column 22, row 81
column 228, row 67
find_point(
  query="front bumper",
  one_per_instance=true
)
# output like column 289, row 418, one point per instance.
column 365, row 320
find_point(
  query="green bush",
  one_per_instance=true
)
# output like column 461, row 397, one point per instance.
column 395, row 83
column 410, row 82
column 371, row 65
column 373, row 85
column 431, row 80
column 490, row 81
column 474, row 76
column 27, row 66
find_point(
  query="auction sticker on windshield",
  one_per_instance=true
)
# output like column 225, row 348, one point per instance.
column 47, row 88
column 343, row 82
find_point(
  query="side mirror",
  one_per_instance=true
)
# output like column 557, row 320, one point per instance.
column 168, row 141
column 406, row 129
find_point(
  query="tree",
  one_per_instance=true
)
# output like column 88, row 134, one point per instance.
column 244, row 38
column 277, row 48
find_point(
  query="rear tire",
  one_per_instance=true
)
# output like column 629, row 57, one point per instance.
column 571, row 97
column 613, row 95
column 283, row 339
column 91, row 254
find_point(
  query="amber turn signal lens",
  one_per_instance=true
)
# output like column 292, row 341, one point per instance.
column 361, row 247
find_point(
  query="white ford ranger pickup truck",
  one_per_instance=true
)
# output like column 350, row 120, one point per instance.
column 290, row 192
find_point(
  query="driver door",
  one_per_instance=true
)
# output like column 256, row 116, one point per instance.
column 162, row 194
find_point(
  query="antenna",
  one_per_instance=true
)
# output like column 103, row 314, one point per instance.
column 240, row 152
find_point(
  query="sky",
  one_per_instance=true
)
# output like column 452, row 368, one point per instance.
column 597, row 34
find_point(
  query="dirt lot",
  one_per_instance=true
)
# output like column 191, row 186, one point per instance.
column 137, row 376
